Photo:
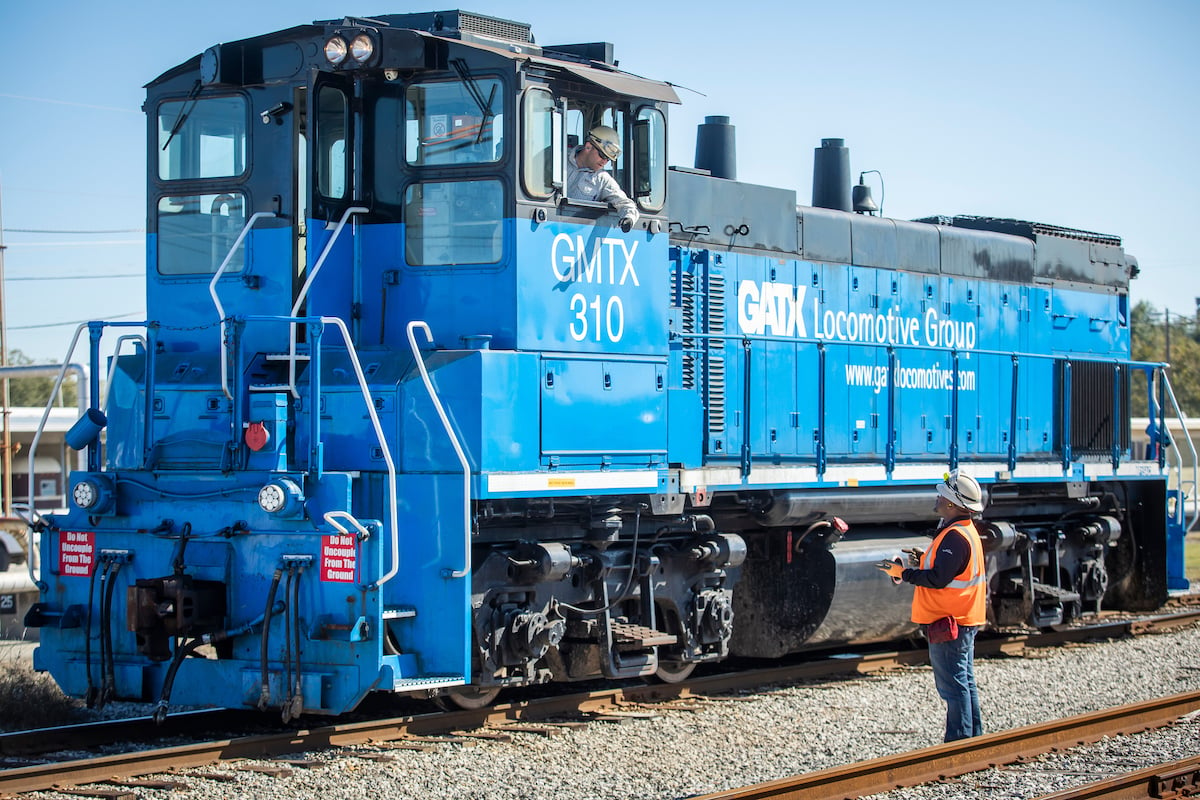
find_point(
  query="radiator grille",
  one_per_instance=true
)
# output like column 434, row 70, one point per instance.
column 687, row 291
column 1092, row 407
column 495, row 28
column 715, row 349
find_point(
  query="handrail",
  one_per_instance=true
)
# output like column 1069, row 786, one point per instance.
column 37, row 437
column 387, row 453
column 462, row 458
column 212, row 291
column 331, row 517
column 894, row 349
column 312, row 275
column 45, row 370
column 1178, row 466
column 393, row 503
column 112, row 367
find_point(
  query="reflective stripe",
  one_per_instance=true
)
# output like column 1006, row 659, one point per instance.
column 978, row 579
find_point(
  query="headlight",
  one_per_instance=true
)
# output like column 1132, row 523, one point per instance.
column 281, row 497
column 271, row 498
column 85, row 494
column 94, row 494
column 335, row 50
column 362, row 48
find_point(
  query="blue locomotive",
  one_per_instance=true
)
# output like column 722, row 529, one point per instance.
column 405, row 418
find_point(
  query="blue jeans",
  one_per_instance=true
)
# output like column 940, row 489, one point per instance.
column 954, row 675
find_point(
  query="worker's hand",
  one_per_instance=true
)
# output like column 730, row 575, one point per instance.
column 893, row 568
column 914, row 556
column 626, row 224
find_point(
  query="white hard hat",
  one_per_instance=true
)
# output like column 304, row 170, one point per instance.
column 960, row 489
column 605, row 139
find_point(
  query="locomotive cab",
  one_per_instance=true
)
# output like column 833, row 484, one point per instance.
column 440, row 151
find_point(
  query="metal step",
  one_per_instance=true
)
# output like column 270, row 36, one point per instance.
column 286, row 357
column 399, row 612
column 268, row 387
column 638, row 637
column 1059, row 594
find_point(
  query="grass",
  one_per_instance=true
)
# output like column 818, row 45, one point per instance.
column 1191, row 560
column 32, row 700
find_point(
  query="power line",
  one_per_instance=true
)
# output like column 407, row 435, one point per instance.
column 69, row 103
column 77, row 244
column 53, row 230
column 71, row 322
column 79, row 277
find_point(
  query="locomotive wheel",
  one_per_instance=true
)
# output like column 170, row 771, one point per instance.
column 469, row 698
column 674, row 671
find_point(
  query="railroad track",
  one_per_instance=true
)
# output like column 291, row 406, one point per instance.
column 932, row 764
column 1173, row 779
column 526, row 715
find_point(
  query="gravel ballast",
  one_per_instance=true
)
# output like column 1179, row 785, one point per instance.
column 777, row 733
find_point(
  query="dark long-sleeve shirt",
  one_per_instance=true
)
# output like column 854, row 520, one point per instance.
column 952, row 557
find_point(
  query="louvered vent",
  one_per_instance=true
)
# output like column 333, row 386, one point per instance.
column 715, row 353
column 495, row 28
column 1093, row 386
column 687, row 284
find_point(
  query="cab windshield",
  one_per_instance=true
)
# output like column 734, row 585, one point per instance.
column 200, row 139
column 434, row 152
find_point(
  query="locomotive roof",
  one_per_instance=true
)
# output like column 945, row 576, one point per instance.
column 591, row 63
column 1018, row 227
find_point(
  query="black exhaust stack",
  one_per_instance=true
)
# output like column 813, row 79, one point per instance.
column 716, row 148
column 831, row 175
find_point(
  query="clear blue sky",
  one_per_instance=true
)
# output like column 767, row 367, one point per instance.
column 1082, row 114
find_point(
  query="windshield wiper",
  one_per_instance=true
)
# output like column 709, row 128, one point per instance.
column 485, row 106
column 188, row 104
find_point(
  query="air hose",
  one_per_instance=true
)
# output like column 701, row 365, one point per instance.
column 183, row 650
column 264, row 697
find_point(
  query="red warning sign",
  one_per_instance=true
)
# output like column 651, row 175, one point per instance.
column 76, row 553
column 338, row 559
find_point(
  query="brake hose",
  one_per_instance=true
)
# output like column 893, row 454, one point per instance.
column 264, row 697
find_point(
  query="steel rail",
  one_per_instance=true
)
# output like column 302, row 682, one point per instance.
column 84, row 735
column 943, row 761
column 867, row 777
column 1170, row 779
column 145, row 762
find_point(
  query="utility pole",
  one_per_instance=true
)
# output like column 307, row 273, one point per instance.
column 1167, row 327
column 6, row 444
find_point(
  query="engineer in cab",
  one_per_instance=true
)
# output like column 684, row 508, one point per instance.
column 588, row 180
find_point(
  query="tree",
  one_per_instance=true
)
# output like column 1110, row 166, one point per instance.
column 35, row 391
column 1149, row 329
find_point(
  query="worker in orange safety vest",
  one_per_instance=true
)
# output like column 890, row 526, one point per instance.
column 950, row 599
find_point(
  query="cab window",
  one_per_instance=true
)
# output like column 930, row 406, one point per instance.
column 451, row 223
column 196, row 232
column 202, row 138
column 582, row 118
column 333, row 124
column 537, row 174
column 454, row 122
column 650, row 159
